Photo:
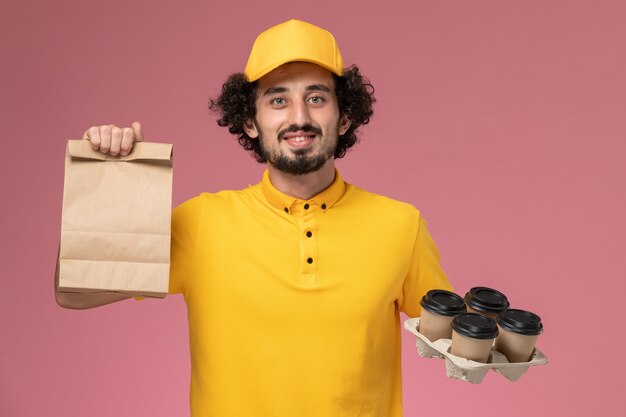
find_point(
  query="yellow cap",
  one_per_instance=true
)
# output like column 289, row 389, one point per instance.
column 290, row 41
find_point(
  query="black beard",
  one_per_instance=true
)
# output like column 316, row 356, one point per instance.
column 301, row 164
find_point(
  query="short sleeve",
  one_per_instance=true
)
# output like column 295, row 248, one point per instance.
column 185, row 228
column 424, row 274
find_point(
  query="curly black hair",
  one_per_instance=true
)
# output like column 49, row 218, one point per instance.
column 236, row 104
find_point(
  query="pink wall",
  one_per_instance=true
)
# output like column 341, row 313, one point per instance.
column 504, row 122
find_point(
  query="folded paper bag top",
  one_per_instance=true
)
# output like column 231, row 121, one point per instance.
column 115, row 233
column 140, row 151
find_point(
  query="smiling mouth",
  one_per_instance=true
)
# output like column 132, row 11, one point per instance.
column 299, row 139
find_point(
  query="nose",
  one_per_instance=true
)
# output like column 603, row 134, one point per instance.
column 299, row 114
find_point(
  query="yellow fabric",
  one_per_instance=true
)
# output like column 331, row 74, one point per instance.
column 290, row 41
column 274, row 335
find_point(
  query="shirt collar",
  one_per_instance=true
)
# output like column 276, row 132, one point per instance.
column 325, row 199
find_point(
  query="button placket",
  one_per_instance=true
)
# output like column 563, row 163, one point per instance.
column 309, row 245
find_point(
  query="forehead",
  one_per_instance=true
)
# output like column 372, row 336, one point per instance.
column 296, row 74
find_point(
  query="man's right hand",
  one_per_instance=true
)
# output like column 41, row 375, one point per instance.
column 114, row 140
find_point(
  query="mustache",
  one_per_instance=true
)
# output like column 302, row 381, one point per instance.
column 307, row 128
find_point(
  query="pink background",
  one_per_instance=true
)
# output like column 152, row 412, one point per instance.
column 503, row 121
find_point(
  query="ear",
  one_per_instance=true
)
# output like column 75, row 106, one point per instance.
column 250, row 128
column 344, row 124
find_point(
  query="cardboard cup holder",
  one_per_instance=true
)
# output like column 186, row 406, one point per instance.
column 468, row 370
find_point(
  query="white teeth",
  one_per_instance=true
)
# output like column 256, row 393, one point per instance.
column 299, row 138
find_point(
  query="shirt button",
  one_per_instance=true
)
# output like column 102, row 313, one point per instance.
column 286, row 210
column 310, row 260
column 324, row 206
column 306, row 206
column 309, row 234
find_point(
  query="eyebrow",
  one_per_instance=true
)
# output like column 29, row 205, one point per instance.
column 318, row 87
column 313, row 87
column 274, row 90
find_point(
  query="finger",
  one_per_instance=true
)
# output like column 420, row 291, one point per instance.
column 93, row 135
column 105, row 138
column 128, row 136
column 138, row 133
column 116, row 140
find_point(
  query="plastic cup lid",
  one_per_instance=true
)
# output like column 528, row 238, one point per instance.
column 444, row 303
column 475, row 326
column 486, row 299
column 521, row 322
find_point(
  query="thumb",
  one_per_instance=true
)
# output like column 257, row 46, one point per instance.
column 137, row 130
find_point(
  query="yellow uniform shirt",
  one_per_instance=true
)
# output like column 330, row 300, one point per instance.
column 293, row 305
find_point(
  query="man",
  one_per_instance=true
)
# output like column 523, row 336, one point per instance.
column 294, row 286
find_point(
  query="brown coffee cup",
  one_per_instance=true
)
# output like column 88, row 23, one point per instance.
column 472, row 336
column 486, row 301
column 519, row 330
column 439, row 307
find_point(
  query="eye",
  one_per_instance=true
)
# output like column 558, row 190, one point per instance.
column 278, row 101
column 316, row 100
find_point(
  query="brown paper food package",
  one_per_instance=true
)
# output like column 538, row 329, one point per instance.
column 115, row 232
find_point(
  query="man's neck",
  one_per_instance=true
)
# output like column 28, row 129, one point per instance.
column 303, row 186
